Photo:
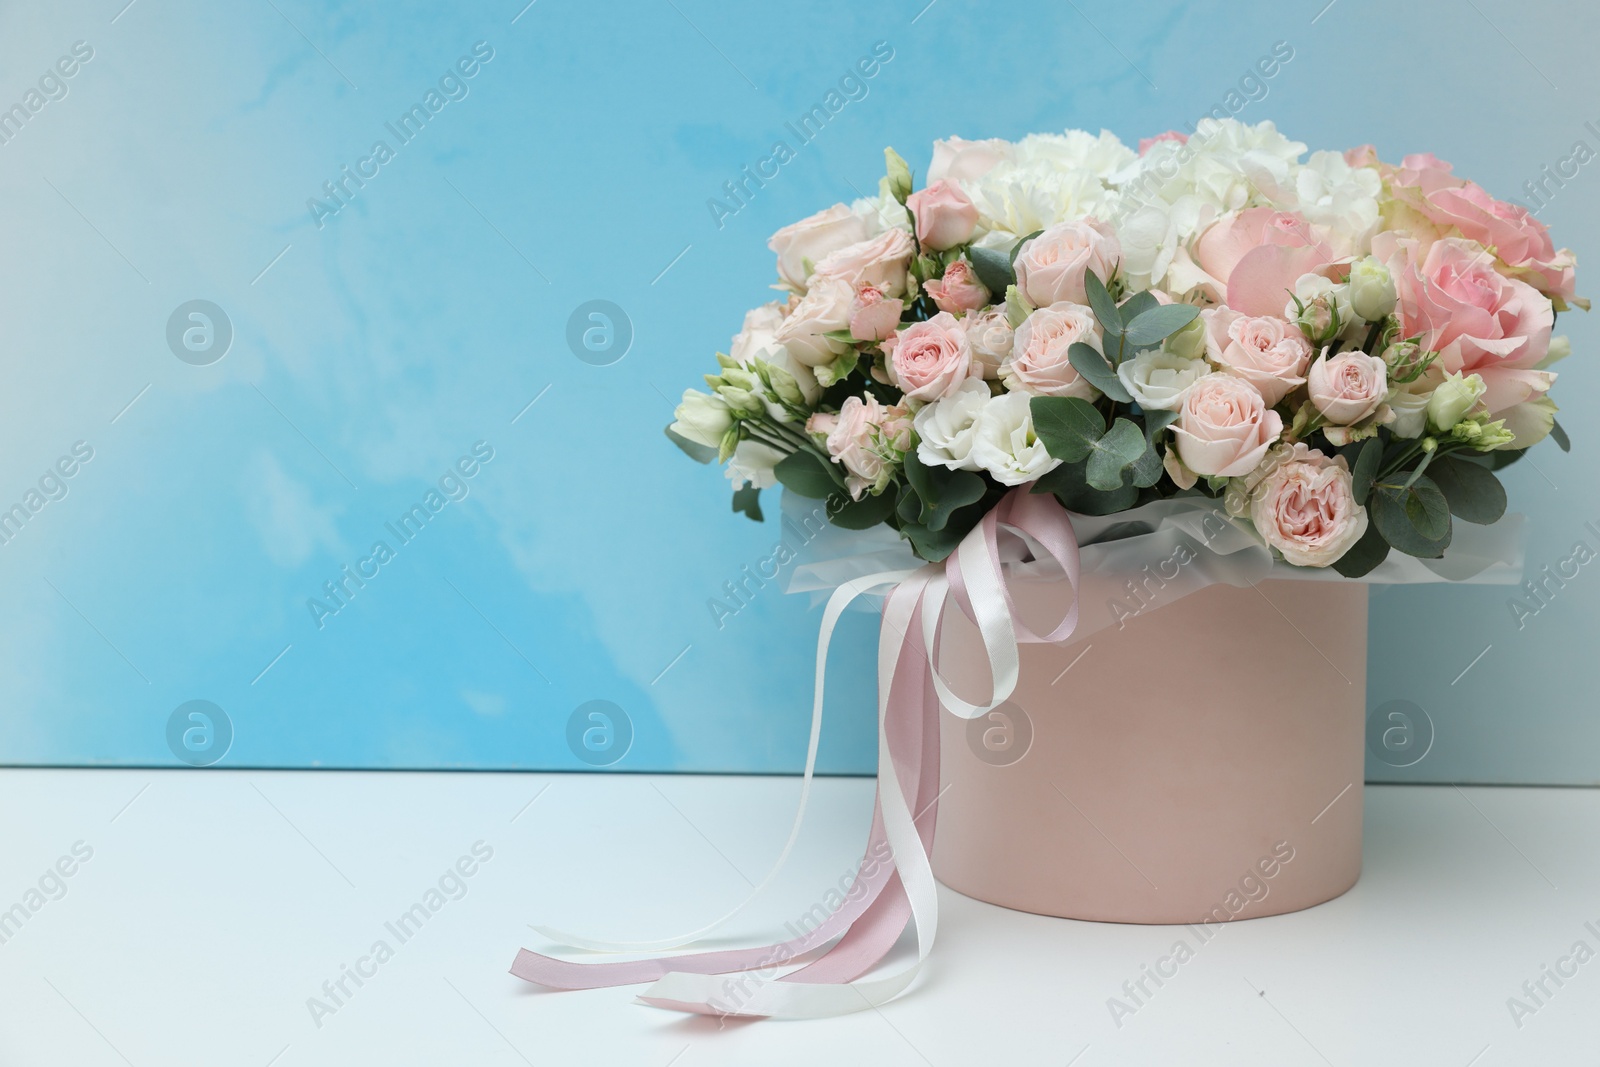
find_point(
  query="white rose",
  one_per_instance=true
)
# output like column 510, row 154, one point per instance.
column 702, row 419
column 760, row 328
column 879, row 261
column 1372, row 294
column 990, row 337
column 947, row 428
column 825, row 308
column 753, row 462
column 813, row 238
column 1005, row 444
column 1159, row 381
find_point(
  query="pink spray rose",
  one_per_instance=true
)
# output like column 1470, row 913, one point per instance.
column 930, row 359
column 990, row 335
column 812, row 238
column 1264, row 350
column 959, row 290
column 1255, row 257
column 1050, row 268
column 879, row 261
column 945, row 215
column 1146, row 143
column 1039, row 352
column 1305, row 508
column 824, row 309
column 1348, row 387
column 1479, row 321
column 1520, row 241
column 1224, row 428
column 873, row 316
column 853, row 440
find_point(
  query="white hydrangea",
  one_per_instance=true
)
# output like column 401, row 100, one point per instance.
column 1343, row 198
column 1047, row 178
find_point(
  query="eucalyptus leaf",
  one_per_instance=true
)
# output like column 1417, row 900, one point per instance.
column 1137, row 304
column 1410, row 519
column 993, row 268
column 1104, row 308
column 861, row 514
column 747, row 501
column 1018, row 246
column 693, row 449
column 1559, row 436
column 1474, row 494
column 1070, row 485
column 1119, row 448
column 1155, row 324
column 1365, row 469
column 808, row 474
column 1093, row 366
column 941, row 490
column 1068, row 426
column 1361, row 557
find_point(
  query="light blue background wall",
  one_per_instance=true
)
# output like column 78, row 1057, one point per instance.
column 426, row 315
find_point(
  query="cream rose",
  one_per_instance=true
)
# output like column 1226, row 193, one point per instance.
column 1348, row 387
column 1306, row 509
column 1051, row 267
column 1265, row 351
column 879, row 261
column 1224, row 427
column 947, row 428
column 929, row 359
column 1005, row 444
column 760, row 330
column 813, row 238
column 1039, row 363
column 990, row 335
column 825, row 308
column 945, row 215
column 1160, row 380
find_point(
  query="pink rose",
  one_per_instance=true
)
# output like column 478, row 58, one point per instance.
column 852, row 440
column 1146, row 143
column 959, row 290
column 930, row 359
column 1348, row 387
column 1255, row 257
column 1479, row 321
column 824, row 309
column 964, row 160
column 1224, row 428
column 990, row 335
column 813, row 238
column 879, row 261
column 1521, row 241
column 1361, row 156
column 1039, row 352
column 1304, row 507
column 873, row 316
column 1050, row 268
column 946, row 216
column 1264, row 350
column 897, row 428
column 760, row 328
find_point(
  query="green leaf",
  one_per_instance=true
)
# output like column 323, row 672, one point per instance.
column 1559, row 436
column 1069, row 484
column 747, row 501
column 1365, row 470
column 993, row 268
column 808, row 474
column 935, row 545
column 1416, row 520
column 1018, row 246
column 1157, row 420
column 693, row 449
column 941, row 490
column 1017, row 307
column 1068, row 426
column 1473, row 493
column 1154, row 325
column 861, row 514
column 1137, row 304
column 1119, row 448
column 1093, row 366
column 1361, row 557
column 1148, row 468
column 1104, row 308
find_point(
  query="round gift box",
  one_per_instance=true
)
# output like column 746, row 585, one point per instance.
column 1200, row 762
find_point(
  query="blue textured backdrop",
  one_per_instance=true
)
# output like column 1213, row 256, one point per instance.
column 375, row 346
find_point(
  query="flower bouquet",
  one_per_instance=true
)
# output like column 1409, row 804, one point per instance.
column 1338, row 351
column 1214, row 377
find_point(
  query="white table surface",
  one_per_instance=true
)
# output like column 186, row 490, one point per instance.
column 215, row 903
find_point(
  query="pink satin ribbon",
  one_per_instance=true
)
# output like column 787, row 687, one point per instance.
column 885, row 897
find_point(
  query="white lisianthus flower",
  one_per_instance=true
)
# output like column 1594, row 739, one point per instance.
column 1409, row 402
column 753, row 462
column 1159, row 381
column 947, row 428
column 1454, row 398
column 1005, row 444
column 702, row 419
column 1530, row 421
column 792, row 381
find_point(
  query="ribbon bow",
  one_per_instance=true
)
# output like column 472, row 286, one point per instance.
column 1026, row 536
